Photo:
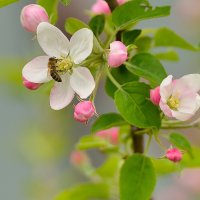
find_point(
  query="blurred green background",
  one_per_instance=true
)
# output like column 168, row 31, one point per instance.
column 36, row 141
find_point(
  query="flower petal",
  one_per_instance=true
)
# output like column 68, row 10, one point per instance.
column 53, row 42
column 190, row 81
column 36, row 70
column 188, row 102
column 81, row 45
column 181, row 116
column 166, row 109
column 82, row 82
column 61, row 94
column 166, row 88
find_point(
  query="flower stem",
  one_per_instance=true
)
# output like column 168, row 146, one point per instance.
column 112, row 78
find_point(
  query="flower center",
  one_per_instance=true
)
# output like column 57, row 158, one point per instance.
column 63, row 65
column 59, row 67
column 173, row 102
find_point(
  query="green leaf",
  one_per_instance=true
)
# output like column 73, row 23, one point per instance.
column 135, row 11
column 109, row 167
column 107, row 121
column 169, row 55
column 137, row 178
column 72, row 25
column 128, row 37
column 164, row 166
column 168, row 38
column 132, row 101
column 85, row 191
column 144, row 43
column 6, row 2
column 122, row 75
column 148, row 67
column 89, row 142
column 51, row 7
column 65, row 2
column 192, row 161
column 97, row 24
column 180, row 142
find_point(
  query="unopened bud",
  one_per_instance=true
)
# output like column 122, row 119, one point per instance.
column 83, row 111
column 78, row 158
column 174, row 155
column 32, row 15
column 101, row 7
column 120, row 2
column 155, row 96
column 111, row 135
column 118, row 54
column 30, row 85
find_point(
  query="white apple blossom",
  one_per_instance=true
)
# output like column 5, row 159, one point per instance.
column 180, row 98
column 68, row 56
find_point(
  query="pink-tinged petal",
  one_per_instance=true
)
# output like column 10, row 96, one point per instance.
column 30, row 85
column 118, row 54
column 188, row 82
column 181, row 116
column 166, row 88
column 82, row 82
column 155, row 96
column 83, row 111
column 81, row 45
column 101, row 7
column 61, row 94
column 32, row 15
column 53, row 42
column 36, row 70
column 120, row 2
column 187, row 102
column 166, row 109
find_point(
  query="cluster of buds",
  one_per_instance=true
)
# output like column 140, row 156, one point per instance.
column 102, row 7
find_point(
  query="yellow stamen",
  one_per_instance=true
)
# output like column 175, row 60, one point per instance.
column 64, row 65
column 173, row 102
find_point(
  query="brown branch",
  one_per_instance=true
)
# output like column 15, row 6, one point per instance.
column 112, row 4
column 138, row 140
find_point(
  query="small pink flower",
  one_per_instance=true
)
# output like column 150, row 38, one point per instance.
column 174, row 155
column 120, row 2
column 155, row 96
column 101, row 7
column 111, row 134
column 30, row 85
column 83, row 111
column 118, row 54
column 32, row 15
column 180, row 98
column 78, row 158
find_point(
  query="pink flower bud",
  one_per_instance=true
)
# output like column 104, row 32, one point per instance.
column 174, row 155
column 120, row 2
column 111, row 135
column 155, row 95
column 83, row 111
column 101, row 7
column 30, row 85
column 118, row 54
column 32, row 15
column 78, row 158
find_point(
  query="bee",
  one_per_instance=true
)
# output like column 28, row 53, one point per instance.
column 53, row 69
